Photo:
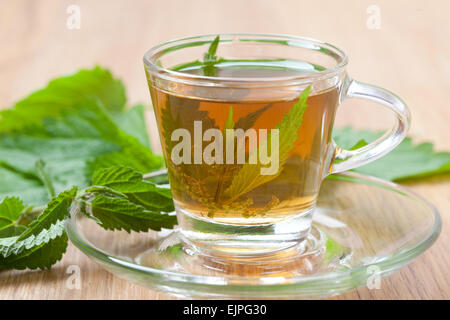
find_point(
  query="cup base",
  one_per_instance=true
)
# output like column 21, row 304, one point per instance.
column 305, row 257
column 245, row 240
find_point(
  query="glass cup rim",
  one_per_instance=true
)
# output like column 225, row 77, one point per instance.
column 176, row 76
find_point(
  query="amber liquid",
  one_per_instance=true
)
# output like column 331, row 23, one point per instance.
column 201, row 189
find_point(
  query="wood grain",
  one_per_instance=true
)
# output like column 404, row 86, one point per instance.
column 409, row 55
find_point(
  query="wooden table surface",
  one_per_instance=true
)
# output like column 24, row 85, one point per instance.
column 409, row 54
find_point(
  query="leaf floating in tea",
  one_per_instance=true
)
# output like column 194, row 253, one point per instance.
column 210, row 59
column 211, row 54
column 250, row 177
column 249, row 120
column 181, row 113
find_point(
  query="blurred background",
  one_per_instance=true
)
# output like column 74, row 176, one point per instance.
column 401, row 45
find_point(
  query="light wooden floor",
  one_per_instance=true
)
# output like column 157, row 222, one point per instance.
column 409, row 55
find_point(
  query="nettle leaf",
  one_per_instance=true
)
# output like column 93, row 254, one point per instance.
column 132, row 122
column 56, row 210
column 62, row 95
column 72, row 147
column 249, row 176
column 130, row 183
column 121, row 199
column 132, row 154
column 68, row 125
column 117, row 212
column 407, row 161
column 210, row 59
column 116, row 177
column 210, row 55
column 131, row 151
column 43, row 242
column 54, row 139
column 67, row 155
column 40, row 251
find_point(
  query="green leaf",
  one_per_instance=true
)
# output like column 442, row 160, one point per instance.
column 121, row 199
column 130, row 182
column 72, row 146
column 132, row 153
column 56, row 210
column 62, row 95
column 118, row 213
column 406, row 161
column 211, row 54
column 117, row 177
column 249, row 176
column 53, row 140
column 44, row 241
column 210, row 59
column 66, row 151
column 66, row 126
column 132, row 122
column 41, row 251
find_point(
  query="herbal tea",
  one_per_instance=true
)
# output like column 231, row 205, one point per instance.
column 245, row 121
column 220, row 174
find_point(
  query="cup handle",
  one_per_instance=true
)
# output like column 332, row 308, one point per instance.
column 359, row 157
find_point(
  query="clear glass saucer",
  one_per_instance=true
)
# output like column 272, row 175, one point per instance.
column 364, row 228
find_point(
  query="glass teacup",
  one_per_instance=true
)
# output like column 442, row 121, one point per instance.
column 245, row 122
